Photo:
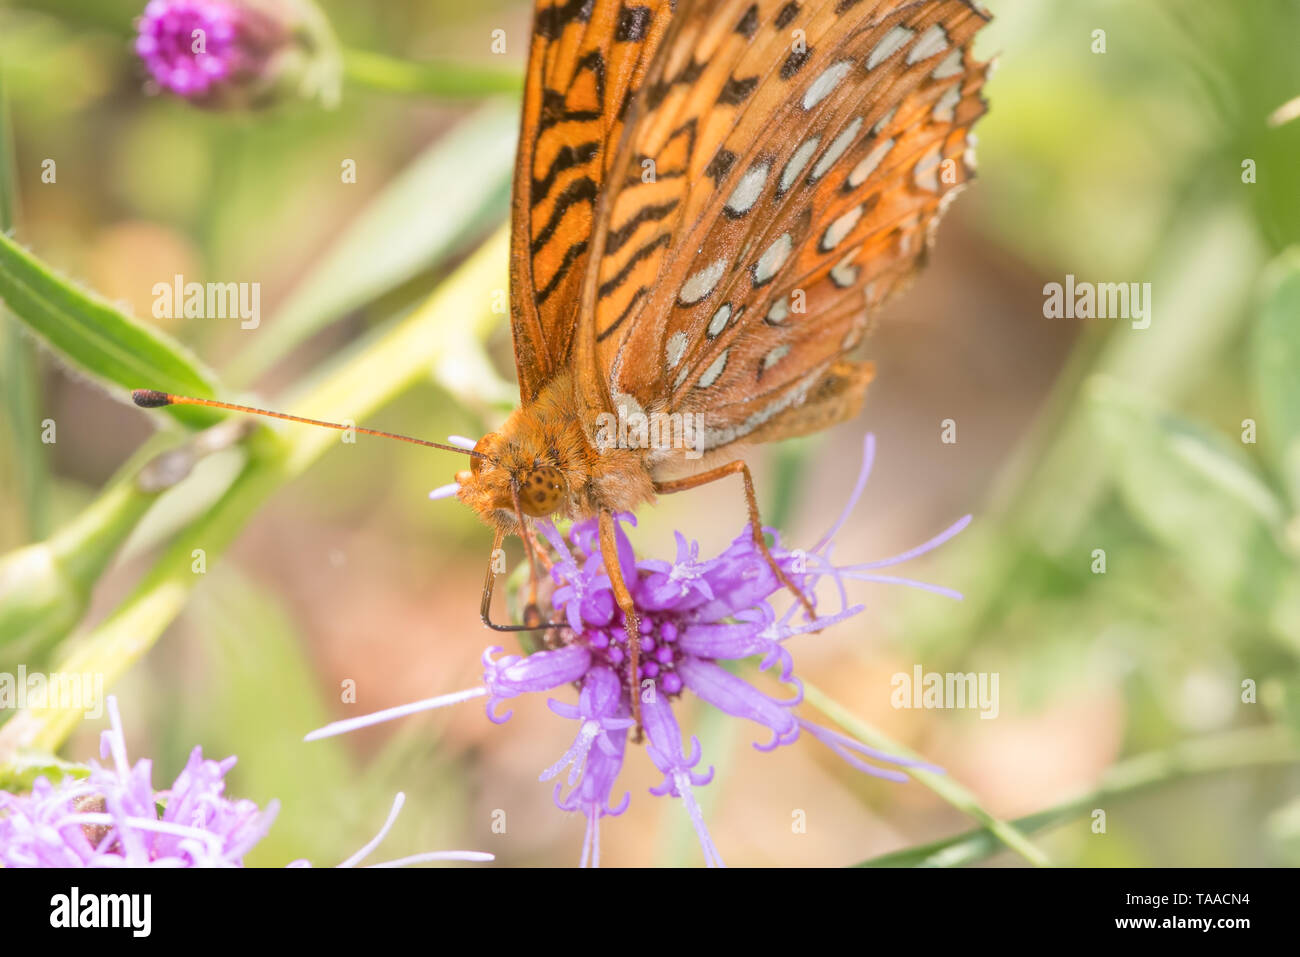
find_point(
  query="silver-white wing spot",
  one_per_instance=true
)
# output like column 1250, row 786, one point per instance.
column 775, row 356
column 926, row 172
column 714, row 370
column 827, row 82
column 948, row 66
column 836, row 150
column 907, row 236
column 884, row 121
column 844, row 273
column 719, row 321
column 715, row 436
column 945, row 201
column 747, row 191
column 840, row 228
column 778, row 312
column 773, row 259
column 889, row 44
column 794, row 166
column 676, row 349
column 945, row 108
column 702, row 283
column 932, row 41
column 858, row 175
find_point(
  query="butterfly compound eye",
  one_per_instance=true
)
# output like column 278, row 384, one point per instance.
column 542, row 491
column 484, row 447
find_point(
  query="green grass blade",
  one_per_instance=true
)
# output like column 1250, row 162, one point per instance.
column 460, row 307
column 1231, row 750
column 1202, row 497
column 1277, row 369
column 45, row 587
column 18, row 372
column 90, row 334
column 941, row 784
column 447, row 79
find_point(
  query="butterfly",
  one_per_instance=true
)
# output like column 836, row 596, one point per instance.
column 712, row 199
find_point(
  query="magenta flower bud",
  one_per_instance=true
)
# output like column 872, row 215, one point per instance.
column 228, row 53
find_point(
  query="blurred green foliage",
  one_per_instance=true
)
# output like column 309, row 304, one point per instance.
column 1128, row 166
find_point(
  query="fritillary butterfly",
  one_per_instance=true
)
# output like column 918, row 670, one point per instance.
column 711, row 200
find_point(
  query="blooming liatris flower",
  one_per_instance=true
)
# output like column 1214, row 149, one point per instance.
column 214, row 52
column 693, row 614
column 114, row 818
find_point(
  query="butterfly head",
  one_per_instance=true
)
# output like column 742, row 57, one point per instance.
column 501, row 483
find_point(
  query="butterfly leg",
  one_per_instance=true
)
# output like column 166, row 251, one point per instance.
column 755, row 522
column 532, row 615
column 609, row 549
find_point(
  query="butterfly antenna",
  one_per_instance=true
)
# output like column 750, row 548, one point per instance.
column 152, row 399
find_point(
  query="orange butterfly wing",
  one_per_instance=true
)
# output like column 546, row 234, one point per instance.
column 802, row 155
column 587, row 59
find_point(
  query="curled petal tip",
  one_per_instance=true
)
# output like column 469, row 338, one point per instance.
column 444, row 491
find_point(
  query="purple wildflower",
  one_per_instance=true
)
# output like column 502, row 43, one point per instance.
column 206, row 50
column 693, row 614
column 111, row 818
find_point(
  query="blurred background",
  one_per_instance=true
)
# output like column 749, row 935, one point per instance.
column 1072, row 435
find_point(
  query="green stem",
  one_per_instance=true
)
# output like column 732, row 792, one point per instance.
column 20, row 373
column 376, row 71
column 941, row 784
column 45, row 587
column 380, row 372
column 1231, row 750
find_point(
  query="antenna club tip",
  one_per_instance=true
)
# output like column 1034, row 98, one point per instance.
column 150, row 398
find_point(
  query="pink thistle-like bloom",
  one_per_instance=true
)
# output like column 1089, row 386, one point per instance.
column 205, row 50
column 113, row 817
column 693, row 614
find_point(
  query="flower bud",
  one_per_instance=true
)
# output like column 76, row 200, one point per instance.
column 227, row 54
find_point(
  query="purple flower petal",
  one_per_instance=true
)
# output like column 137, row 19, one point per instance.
column 512, row 675
column 740, row 699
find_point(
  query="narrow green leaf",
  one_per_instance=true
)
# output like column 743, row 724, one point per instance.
column 1277, row 369
column 1200, row 495
column 98, row 339
column 45, row 587
column 377, row 71
column 26, row 464
column 8, row 181
column 950, row 790
column 361, row 383
column 19, row 775
column 18, row 371
column 1230, row 750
